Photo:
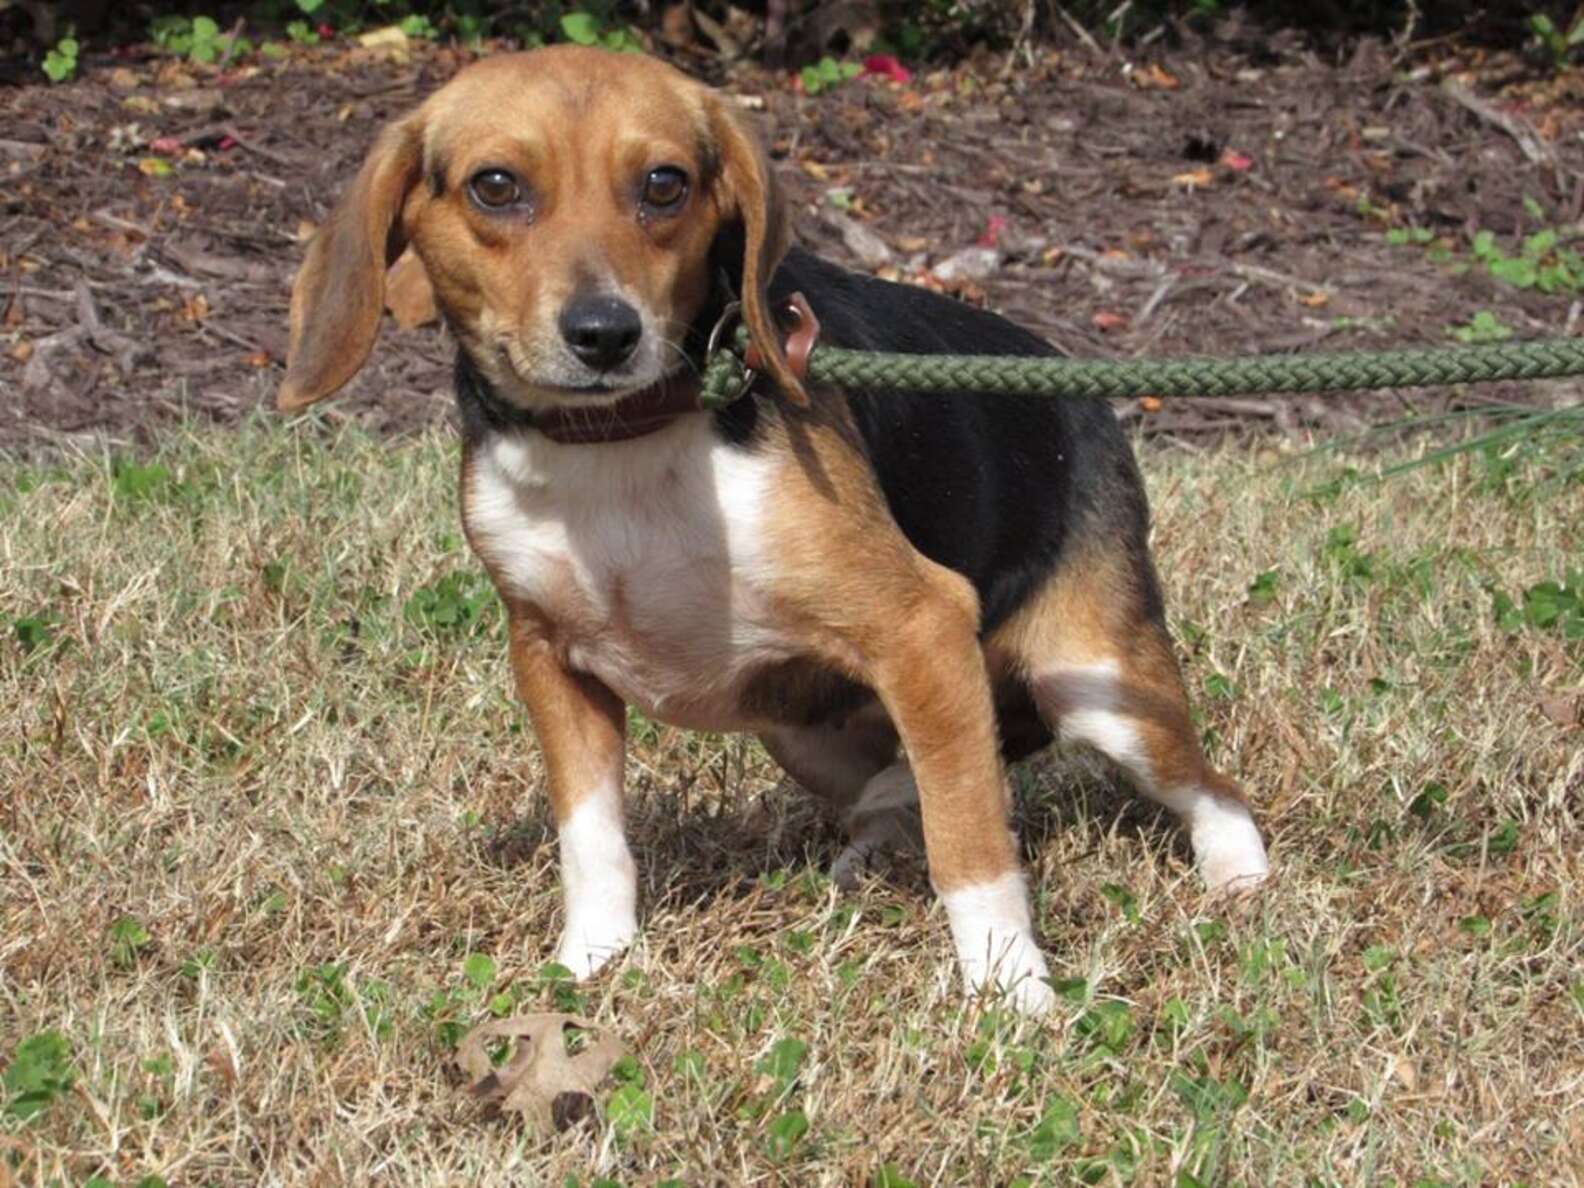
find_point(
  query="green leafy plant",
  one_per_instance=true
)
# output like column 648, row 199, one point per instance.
column 585, row 28
column 39, row 1072
column 330, row 999
column 33, row 632
column 629, row 1109
column 448, row 1009
column 1559, row 43
column 130, row 481
column 1403, row 236
column 1057, row 1128
column 825, row 74
column 198, row 38
column 457, row 604
column 782, row 1063
column 1545, row 606
column 61, row 62
column 128, row 938
column 1124, row 899
column 1262, row 590
column 1484, row 326
column 784, row 1134
column 418, row 26
column 1544, row 261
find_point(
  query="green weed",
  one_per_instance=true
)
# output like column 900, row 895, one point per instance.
column 40, row 1071
column 1544, row 606
column 60, row 63
column 825, row 74
column 582, row 27
column 128, row 938
column 198, row 38
column 1484, row 326
column 1560, row 43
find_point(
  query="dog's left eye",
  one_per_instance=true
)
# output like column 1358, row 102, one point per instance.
column 495, row 188
column 665, row 188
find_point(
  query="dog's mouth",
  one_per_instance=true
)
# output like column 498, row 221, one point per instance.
column 536, row 388
column 596, row 395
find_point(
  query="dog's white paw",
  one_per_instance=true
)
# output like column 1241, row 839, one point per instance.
column 1016, row 970
column 599, row 884
column 588, row 944
column 1227, row 846
column 994, row 938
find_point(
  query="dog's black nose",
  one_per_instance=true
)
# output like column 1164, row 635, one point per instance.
column 602, row 331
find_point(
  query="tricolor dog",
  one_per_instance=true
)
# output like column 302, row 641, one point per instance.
column 897, row 593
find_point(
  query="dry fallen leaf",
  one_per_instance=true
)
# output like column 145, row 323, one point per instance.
column 1154, row 77
column 219, row 1063
column 195, row 308
column 390, row 37
column 1562, row 709
column 1407, row 1075
column 550, row 1087
column 1194, row 177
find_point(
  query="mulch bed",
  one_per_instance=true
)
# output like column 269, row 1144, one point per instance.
column 1228, row 195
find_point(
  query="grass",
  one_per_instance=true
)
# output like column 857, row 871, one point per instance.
column 272, row 842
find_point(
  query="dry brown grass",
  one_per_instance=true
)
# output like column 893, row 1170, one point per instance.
column 237, row 736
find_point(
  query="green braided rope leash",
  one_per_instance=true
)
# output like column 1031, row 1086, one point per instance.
column 725, row 378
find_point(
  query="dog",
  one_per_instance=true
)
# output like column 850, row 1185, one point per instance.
column 898, row 593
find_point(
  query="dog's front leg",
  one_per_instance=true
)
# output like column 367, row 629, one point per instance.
column 581, row 726
column 929, row 671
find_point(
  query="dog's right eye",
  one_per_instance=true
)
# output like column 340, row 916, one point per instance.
column 495, row 188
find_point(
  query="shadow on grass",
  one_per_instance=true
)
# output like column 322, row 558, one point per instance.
column 692, row 849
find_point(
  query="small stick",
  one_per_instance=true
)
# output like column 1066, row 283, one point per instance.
column 1538, row 152
column 230, row 49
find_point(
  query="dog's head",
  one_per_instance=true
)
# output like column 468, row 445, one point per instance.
column 567, row 204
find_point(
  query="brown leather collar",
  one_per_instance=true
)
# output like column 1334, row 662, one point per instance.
column 645, row 411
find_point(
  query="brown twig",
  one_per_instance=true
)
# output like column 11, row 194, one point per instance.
column 1527, row 139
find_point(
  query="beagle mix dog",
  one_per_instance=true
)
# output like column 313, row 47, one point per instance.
column 898, row 593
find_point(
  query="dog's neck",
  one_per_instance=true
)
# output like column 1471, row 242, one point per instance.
column 645, row 411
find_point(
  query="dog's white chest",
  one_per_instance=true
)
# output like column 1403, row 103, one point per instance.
column 646, row 556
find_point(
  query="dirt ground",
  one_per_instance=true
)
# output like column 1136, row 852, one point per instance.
column 1229, row 195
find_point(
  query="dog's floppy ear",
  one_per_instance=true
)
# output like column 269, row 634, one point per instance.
column 748, row 192
column 339, row 292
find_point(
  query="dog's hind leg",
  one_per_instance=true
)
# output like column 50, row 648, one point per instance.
column 853, row 768
column 1097, row 658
